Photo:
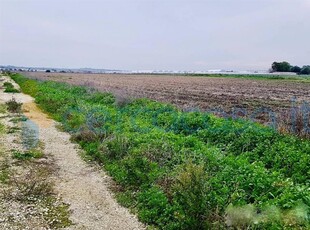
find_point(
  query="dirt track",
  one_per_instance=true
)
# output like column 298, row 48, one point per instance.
column 84, row 187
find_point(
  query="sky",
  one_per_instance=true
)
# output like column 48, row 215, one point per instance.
column 154, row 34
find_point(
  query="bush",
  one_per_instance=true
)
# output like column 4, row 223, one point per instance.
column 8, row 84
column 9, row 88
column 122, row 100
column 305, row 70
column 155, row 209
column 281, row 66
column 139, row 170
column 84, row 135
column 295, row 69
column 116, row 147
column 191, row 194
column 13, row 106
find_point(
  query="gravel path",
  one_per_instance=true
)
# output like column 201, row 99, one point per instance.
column 85, row 188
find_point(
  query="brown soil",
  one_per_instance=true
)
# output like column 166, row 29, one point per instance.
column 193, row 92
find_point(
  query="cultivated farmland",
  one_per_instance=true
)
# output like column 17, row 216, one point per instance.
column 224, row 94
column 185, row 91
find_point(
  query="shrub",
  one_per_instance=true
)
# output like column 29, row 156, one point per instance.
column 305, row 70
column 13, row 106
column 139, row 170
column 9, row 88
column 155, row 209
column 191, row 194
column 84, row 135
column 31, row 185
column 116, row 147
column 122, row 100
column 7, row 84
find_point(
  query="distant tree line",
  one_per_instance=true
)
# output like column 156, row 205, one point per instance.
column 287, row 67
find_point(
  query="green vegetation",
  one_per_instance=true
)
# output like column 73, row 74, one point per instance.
column 2, row 128
column 9, row 88
column 305, row 70
column 4, row 172
column 18, row 119
column 2, row 108
column 13, row 106
column 57, row 213
column 186, row 170
column 30, row 154
column 281, row 66
column 13, row 129
column 286, row 67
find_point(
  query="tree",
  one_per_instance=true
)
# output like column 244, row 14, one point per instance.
column 305, row 69
column 275, row 67
column 295, row 69
column 281, row 66
column 47, row 71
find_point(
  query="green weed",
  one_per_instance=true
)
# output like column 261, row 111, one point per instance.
column 30, row 154
column 2, row 128
column 18, row 119
column 9, row 88
column 57, row 213
column 13, row 106
column 13, row 129
column 4, row 172
column 3, row 108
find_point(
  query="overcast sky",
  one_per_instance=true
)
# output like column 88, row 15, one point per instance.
column 154, row 34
